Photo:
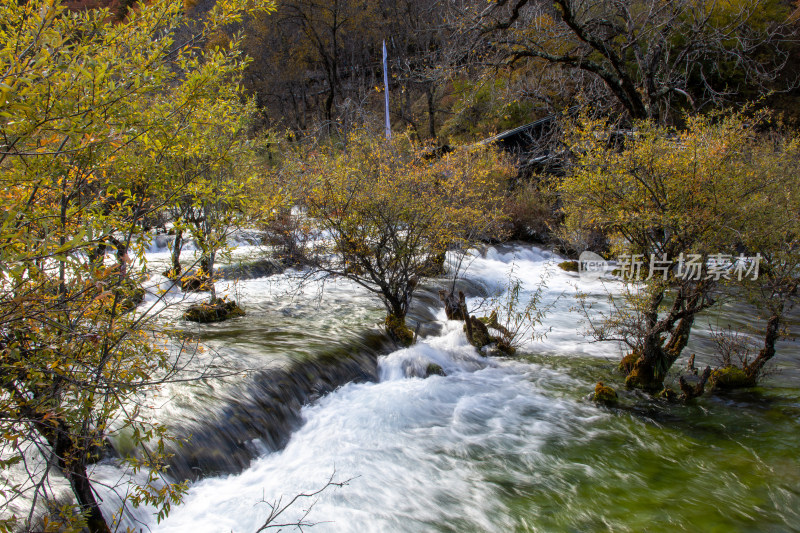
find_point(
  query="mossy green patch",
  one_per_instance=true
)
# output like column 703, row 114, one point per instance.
column 216, row 311
column 604, row 394
column 396, row 329
column 569, row 266
column 730, row 377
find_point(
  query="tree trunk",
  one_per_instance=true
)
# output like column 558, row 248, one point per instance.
column 452, row 305
column 175, row 253
column 768, row 351
column 72, row 460
column 648, row 370
column 397, row 329
column 98, row 253
column 207, row 269
column 431, row 113
column 678, row 340
column 79, row 479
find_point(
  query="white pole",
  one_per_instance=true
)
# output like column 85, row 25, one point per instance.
column 386, row 91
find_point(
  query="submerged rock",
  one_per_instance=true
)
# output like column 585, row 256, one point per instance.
column 266, row 409
column 434, row 370
column 418, row 369
column 668, row 394
column 216, row 311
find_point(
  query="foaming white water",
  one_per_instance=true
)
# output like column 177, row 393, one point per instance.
column 415, row 449
column 535, row 268
column 421, row 452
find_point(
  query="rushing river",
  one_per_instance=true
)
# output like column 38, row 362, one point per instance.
column 497, row 444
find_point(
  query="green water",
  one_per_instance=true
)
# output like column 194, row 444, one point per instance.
column 724, row 463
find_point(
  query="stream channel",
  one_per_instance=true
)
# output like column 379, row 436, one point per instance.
column 496, row 444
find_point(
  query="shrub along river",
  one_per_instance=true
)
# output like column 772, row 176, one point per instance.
column 495, row 444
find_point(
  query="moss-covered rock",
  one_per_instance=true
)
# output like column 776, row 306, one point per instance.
column 215, row 311
column 505, row 347
column 604, row 395
column 129, row 295
column 644, row 380
column 434, row 370
column 569, row 266
column 398, row 331
column 730, row 377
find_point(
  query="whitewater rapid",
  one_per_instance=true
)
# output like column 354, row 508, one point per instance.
column 413, row 451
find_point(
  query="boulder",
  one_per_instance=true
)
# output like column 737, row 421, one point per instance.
column 215, row 311
column 604, row 395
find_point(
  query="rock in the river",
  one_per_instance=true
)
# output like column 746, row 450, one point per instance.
column 434, row 369
column 730, row 377
column 604, row 395
column 216, row 311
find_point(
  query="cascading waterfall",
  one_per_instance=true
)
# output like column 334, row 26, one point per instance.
column 496, row 444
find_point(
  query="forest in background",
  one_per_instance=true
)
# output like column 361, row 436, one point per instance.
column 464, row 70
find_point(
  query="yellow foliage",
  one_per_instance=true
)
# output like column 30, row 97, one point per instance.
column 654, row 190
column 392, row 208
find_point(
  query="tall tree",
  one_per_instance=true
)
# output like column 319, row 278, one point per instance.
column 86, row 126
column 314, row 55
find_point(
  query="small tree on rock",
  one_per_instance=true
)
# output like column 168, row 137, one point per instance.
column 392, row 213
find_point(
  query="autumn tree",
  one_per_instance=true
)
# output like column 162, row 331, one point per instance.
column 668, row 202
column 86, row 126
column 393, row 213
column 652, row 57
column 768, row 224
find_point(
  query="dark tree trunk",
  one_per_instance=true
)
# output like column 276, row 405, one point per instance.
column 431, row 113
column 79, row 479
column 175, row 253
column 98, row 253
column 122, row 254
column 768, row 351
column 648, row 368
column 72, row 460
column 452, row 305
column 207, row 270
